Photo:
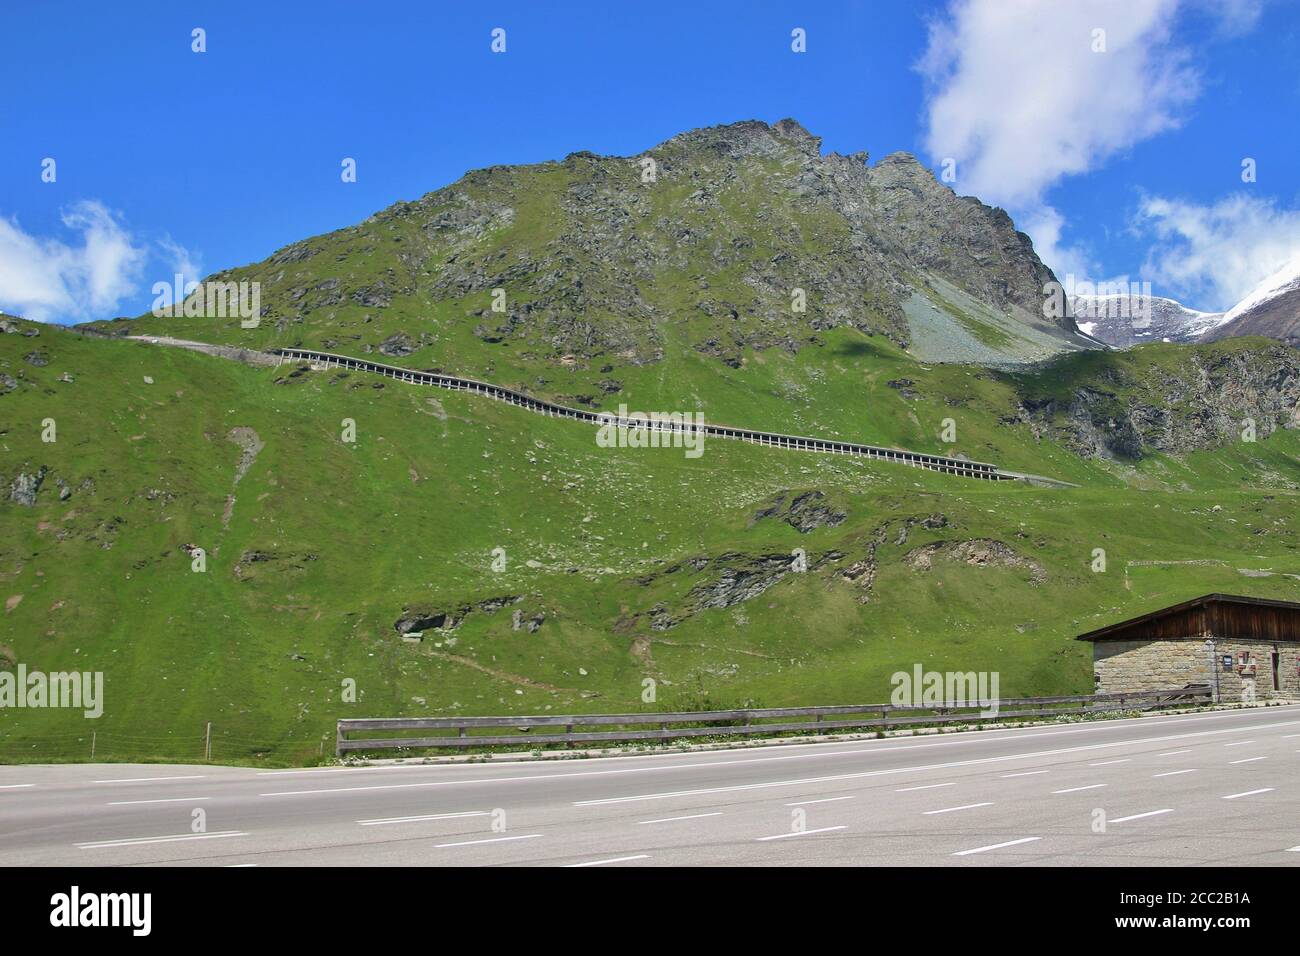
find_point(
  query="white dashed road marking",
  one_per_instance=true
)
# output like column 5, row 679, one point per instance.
column 996, row 846
column 428, row 816
column 617, row 859
column 693, row 816
column 132, row 803
column 797, row 833
column 526, row 836
column 141, row 841
column 804, row 803
column 1140, row 816
column 967, row 806
column 1248, row 793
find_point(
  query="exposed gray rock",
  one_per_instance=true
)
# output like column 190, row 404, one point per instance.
column 607, row 266
column 419, row 619
column 1124, row 320
column 397, row 345
column 976, row 552
column 1202, row 401
column 904, row 387
column 805, row 512
column 25, row 487
column 250, row 445
column 423, row 617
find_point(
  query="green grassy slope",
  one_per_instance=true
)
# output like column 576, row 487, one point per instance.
column 327, row 543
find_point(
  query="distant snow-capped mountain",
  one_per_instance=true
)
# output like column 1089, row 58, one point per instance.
column 1124, row 320
column 1271, row 309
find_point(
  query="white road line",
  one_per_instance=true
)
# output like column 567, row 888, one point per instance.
column 859, row 775
column 692, row 816
column 131, row 803
column 196, row 776
column 1172, row 773
column 1107, row 763
column 996, row 846
column 1024, row 773
column 526, row 836
column 1246, row 760
column 1239, row 743
column 1294, row 849
column 141, row 841
column 958, row 738
column 928, row 786
column 617, row 859
column 1249, row 793
column 968, row 806
column 810, row 751
column 1171, row 753
column 1140, row 816
column 17, row 786
column 863, row 746
column 804, row 803
column 1091, row 786
column 795, row 833
column 428, row 816
column 1289, row 736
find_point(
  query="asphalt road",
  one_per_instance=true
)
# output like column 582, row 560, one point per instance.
column 1193, row 789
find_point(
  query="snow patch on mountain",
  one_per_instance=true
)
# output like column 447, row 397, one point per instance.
column 1123, row 320
column 1280, row 283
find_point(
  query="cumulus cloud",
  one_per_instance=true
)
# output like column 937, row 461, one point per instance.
column 1023, row 93
column 184, row 262
column 49, row 279
column 1021, row 97
column 1218, row 253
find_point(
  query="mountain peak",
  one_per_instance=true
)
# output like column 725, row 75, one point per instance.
column 792, row 129
column 596, row 258
column 750, row 137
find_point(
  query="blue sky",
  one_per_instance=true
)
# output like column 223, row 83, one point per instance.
column 1122, row 162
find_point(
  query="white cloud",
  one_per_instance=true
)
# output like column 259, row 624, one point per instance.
column 1216, row 254
column 1020, row 98
column 183, row 261
column 48, row 279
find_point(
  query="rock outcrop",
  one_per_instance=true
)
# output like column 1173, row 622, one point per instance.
column 1196, row 399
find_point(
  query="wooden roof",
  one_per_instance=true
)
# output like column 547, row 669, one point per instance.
column 1154, row 624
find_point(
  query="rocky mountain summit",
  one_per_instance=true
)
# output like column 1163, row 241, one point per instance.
column 1271, row 309
column 1124, row 320
column 717, row 241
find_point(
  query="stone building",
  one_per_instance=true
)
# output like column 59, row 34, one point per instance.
column 1244, row 648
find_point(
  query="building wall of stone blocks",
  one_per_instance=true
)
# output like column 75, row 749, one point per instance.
column 1121, row 666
